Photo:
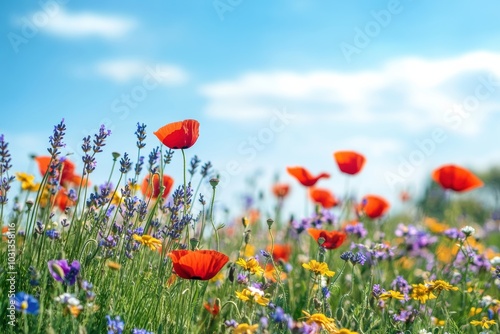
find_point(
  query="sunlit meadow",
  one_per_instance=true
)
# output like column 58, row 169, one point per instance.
column 144, row 253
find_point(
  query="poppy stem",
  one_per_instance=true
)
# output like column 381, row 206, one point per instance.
column 307, row 202
column 185, row 194
column 212, row 218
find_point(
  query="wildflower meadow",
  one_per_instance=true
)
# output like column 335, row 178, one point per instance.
column 146, row 253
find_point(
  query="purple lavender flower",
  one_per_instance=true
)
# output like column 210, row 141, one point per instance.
column 377, row 290
column 357, row 230
column 406, row 316
column 141, row 135
column 167, row 158
column 153, row 157
column 125, row 164
column 194, row 163
column 264, row 322
column 346, row 256
column 453, row 233
column 52, row 234
column 358, row 258
column 56, row 139
column 116, row 325
column 304, row 328
column 325, row 292
column 205, row 169
column 231, row 323
column 61, row 271
column 265, row 253
column 242, row 279
column 140, row 331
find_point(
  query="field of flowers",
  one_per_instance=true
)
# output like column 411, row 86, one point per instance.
column 138, row 255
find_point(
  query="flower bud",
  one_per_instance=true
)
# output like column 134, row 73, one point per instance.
column 214, row 182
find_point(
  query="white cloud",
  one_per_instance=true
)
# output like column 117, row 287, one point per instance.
column 412, row 93
column 125, row 70
column 61, row 23
column 375, row 147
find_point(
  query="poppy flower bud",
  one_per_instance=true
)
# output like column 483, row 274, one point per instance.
column 321, row 241
column 194, row 243
column 247, row 236
column 232, row 270
column 115, row 155
column 270, row 223
column 244, row 221
column 317, row 303
column 214, row 182
column 29, row 204
column 321, row 254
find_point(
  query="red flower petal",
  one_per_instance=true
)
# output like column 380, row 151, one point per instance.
column 199, row 264
column 304, row 177
column 179, row 135
column 333, row 239
column 349, row 162
column 281, row 190
column 374, row 206
column 281, row 252
column 324, row 197
column 68, row 169
column 456, row 178
column 153, row 190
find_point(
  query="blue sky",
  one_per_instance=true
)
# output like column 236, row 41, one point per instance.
column 410, row 84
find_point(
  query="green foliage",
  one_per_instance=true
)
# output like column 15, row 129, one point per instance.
column 138, row 284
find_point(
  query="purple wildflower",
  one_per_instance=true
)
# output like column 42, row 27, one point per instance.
column 116, row 325
column 61, row 271
column 26, row 303
column 357, row 230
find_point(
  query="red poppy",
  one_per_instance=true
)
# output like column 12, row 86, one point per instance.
column 456, row 178
column 281, row 252
column 5, row 232
column 281, row 190
column 179, row 135
column 349, row 162
column 324, row 197
column 404, row 196
column 214, row 308
column 153, row 190
column 67, row 176
column 304, row 177
column 333, row 239
column 198, row 264
column 374, row 206
column 62, row 200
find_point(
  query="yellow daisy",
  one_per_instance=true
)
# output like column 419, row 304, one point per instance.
column 245, row 329
column 421, row 293
column 318, row 268
column 148, row 241
column 392, row 294
column 484, row 323
column 251, row 265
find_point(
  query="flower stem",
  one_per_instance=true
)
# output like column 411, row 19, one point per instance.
column 184, row 207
